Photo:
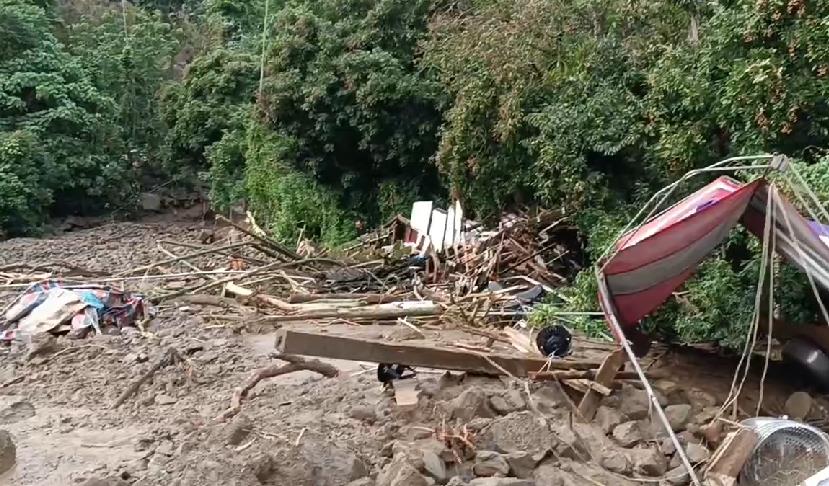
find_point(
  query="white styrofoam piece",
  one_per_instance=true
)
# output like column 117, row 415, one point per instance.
column 437, row 228
column 421, row 215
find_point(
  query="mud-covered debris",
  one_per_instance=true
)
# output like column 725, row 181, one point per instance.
column 162, row 399
column 608, row 418
column 510, row 401
column 521, row 464
column 616, row 461
column 648, row 461
column 490, row 463
column 678, row 416
column 434, row 466
column 237, row 430
column 471, row 403
column 501, row 482
column 363, row 413
column 8, row 451
column 628, row 434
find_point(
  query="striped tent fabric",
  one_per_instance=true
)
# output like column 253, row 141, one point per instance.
column 651, row 262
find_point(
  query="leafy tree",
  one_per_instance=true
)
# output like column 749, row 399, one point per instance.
column 46, row 94
column 342, row 81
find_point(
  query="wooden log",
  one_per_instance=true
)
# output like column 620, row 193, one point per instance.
column 729, row 458
column 366, row 298
column 423, row 354
column 605, row 376
column 588, row 375
column 379, row 311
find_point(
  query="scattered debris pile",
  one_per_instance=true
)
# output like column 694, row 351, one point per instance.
column 472, row 399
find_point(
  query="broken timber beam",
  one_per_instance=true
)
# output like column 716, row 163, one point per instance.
column 424, row 355
column 391, row 310
column 605, row 376
column 366, row 298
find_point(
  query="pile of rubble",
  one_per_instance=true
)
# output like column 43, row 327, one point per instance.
column 492, row 436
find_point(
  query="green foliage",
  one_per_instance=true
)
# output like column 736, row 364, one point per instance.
column 47, row 93
column 214, row 99
column 287, row 202
column 23, row 194
column 130, row 67
column 342, row 82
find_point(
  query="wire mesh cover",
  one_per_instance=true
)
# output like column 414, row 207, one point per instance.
column 788, row 453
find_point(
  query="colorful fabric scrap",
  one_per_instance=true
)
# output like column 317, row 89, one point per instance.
column 54, row 306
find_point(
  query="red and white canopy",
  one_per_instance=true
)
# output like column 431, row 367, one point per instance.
column 655, row 259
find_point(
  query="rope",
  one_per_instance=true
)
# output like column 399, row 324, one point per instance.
column 802, row 253
column 751, row 335
column 770, row 315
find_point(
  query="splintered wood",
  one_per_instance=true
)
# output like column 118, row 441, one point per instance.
column 729, row 458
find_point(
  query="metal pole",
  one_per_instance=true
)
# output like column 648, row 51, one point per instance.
column 617, row 331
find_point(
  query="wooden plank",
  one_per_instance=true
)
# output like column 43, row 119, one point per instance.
column 365, row 298
column 729, row 458
column 424, row 354
column 406, row 394
column 391, row 310
column 520, row 341
column 605, row 376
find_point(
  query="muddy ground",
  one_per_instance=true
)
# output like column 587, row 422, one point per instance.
column 302, row 429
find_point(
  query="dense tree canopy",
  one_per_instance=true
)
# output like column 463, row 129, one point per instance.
column 319, row 113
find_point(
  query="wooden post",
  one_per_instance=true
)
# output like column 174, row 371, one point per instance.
column 423, row 354
column 605, row 376
column 729, row 458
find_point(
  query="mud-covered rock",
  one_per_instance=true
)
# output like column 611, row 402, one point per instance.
column 510, row 401
column 472, row 403
column 434, row 466
column 521, row 464
column 517, row 432
column 8, row 451
column 678, row 416
column 608, row 418
column 634, row 403
column 648, row 461
column 490, row 463
column 616, row 461
column 628, row 434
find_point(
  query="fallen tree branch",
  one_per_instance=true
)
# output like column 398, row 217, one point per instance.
column 170, row 357
column 295, row 363
column 178, row 259
column 267, row 241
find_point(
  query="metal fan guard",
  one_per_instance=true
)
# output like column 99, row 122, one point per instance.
column 787, row 453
